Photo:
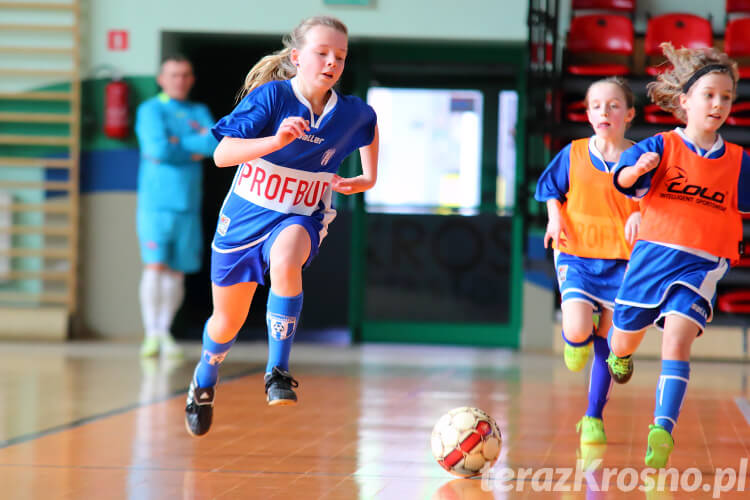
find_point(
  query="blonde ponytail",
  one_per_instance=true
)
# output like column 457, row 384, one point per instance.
column 278, row 66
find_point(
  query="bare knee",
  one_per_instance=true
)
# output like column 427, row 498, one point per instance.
column 573, row 335
column 624, row 344
column 677, row 339
column 619, row 346
column 577, row 320
column 285, row 269
column 223, row 327
column 576, row 330
column 676, row 348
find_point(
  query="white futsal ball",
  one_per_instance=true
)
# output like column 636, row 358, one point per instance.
column 466, row 441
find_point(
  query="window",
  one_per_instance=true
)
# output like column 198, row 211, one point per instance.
column 506, row 150
column 430, row 150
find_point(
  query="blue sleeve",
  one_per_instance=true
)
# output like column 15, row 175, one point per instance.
column 629, row 157
column 151, row 130
column 250, row 116
column 743, row 187
column 554, row 183
column 366, row 134
column 203, row 144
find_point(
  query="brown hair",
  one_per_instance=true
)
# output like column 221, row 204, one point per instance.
column 620, row 82
column 666, row 90
column 624, row 87
column 278, row 66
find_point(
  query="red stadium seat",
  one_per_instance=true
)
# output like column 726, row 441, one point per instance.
column 654, row 114
column 740, row 115
column 743, row 262
column 683, row 30
column 734, row 6
column 576, row 112
column 553, row 144
column 737, row 41
column 744, row 259
column 737, row 301
column 619, row 5
column 600, row 34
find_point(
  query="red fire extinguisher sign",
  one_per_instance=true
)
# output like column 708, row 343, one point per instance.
column 117, row 40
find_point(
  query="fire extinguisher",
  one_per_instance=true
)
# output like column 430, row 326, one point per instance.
column 116, row 109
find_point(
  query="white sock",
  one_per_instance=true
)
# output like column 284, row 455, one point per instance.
column 150, row 295
column 172, row 287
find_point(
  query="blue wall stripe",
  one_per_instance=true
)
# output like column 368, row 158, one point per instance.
column 109, row 170
column 540, row 279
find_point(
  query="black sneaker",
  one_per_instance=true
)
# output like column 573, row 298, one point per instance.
column 199, row 411
column 279, row 385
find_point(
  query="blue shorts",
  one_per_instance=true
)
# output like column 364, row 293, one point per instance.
column 174, row 239
column 680, row 301
column 251, row 264
column 663, row 280
column 594, row 281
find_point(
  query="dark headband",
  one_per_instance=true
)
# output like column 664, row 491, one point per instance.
column 706, row 69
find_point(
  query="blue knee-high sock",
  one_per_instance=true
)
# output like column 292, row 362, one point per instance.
column 576, row 344
column 212, row 355
column 282, row 317
column 670, row 392
column 600, row 382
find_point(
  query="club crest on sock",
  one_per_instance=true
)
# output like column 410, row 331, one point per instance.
column 214, row 359
column 281, row 326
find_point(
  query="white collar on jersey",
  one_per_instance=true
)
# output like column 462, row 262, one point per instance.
column 329, row 105
column 717, row 145
column 597, row 154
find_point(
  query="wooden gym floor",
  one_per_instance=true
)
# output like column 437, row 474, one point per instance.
column 91, row 421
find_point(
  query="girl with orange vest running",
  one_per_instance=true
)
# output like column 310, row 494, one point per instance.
column 592, row 227
column 692, row 185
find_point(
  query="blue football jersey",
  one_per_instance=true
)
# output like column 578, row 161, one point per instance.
column 295, row 180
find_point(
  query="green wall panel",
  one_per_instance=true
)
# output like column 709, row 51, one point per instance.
column 92, row 111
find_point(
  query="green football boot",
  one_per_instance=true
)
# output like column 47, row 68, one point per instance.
column 591, row 430
column 621, row 369
column 576, row 357
column 660, row 446
column 150, row 347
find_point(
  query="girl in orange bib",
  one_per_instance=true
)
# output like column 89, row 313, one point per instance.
column 592, row 227
column 692, row 186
